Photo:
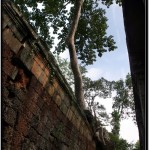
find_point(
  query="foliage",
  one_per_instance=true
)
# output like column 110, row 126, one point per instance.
column 101, row 88
column 120, row 143
column 115, row 122
column 91, row 39
column 123, row 102
column 123, row 105
column 100, row 114
column 137, row 146
column 65, row 67
column 110, row 2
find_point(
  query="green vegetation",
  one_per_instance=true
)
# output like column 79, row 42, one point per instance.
column 123, row 104
column 91, row 39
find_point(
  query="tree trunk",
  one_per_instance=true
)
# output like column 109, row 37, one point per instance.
column 73, row 55
column 134, row 22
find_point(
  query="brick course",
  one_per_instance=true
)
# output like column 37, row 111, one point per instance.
column 39, row 108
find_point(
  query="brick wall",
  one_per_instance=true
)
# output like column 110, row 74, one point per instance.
column 39, row 109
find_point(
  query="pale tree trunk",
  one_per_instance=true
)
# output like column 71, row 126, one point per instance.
column 73, row 55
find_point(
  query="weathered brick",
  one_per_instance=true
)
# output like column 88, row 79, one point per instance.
column 5, row 92
column 47, row 71
column 73, row 109
column 44, row 119
column 16, row 141
column 27, row 56
column 69, row 114
column 19, row 35
column 21, row 94
column 40, row 62
column 33, row 108
column 5, row 20
column 6, row 146
column 67, row 101
column 44, row 108
column 41, row 143
column 8, row 133
column 81, row 130
column 36, row 70
column 40, row 102
column 78, row 123
column 48, row 145
column 9, row 116
column 22, row 126
column 36, row 85
column 7, row 53
column 32, row 94
column 35, row 121
column 51, row 90
column 46, row 133
column 11, row 40
column 55, row 83
column 58, row 100
column 27, row 144
column 74, row 119
column 64, row 108
column 14, row 73
column 34, row 136
column 8, row 67
column 49, row 124
column 43, row 78
column 4, row 24
column 46, row 97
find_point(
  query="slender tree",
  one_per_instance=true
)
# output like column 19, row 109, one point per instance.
column 85, row 41
column 73, row 55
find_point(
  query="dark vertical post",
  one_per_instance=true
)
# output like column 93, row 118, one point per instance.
column 134, row 22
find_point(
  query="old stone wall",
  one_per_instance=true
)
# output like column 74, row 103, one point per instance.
column 39, row 109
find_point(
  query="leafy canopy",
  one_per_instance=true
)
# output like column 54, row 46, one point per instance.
column 123, row 102
column 91, row 39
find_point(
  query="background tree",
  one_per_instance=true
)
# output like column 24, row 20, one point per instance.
column 123, row 102
column 65, row 67
column 100, row 88
column 103, row 88
column 120, row 144
column 123, row 107
column 137, row 146
column 80, row 42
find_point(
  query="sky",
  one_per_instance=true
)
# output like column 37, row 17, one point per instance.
column 113, row 66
